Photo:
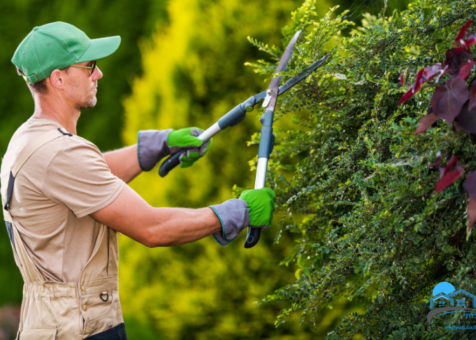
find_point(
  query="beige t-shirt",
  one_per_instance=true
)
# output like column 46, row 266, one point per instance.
column 57, row 188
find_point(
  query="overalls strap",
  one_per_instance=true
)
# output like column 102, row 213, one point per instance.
column 29, row 271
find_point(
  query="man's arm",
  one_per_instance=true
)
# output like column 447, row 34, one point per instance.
column 156, row 227
column 124, row 163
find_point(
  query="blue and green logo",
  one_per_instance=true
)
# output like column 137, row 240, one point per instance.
column 447, row 300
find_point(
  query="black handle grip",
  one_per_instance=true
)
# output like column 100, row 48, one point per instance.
column 252, row 237
column 170, row 163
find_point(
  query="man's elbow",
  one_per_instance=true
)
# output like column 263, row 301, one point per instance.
column 153, row 239
column 149, row 244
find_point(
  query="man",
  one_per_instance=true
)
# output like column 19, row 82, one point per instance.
column 64, row 200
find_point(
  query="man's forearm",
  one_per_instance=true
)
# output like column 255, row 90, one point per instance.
column 181, row 226
column 124, row 163
column 156, row 227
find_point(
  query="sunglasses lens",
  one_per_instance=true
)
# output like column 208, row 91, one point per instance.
column 93, row 67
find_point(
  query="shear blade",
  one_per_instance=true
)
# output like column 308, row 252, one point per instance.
column 273, row 89
column 303, row 75
column 293, row 81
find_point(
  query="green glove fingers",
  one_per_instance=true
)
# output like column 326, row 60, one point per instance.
column 183, row 138
column 188, row 158
column 187, row 139
column 261, row 205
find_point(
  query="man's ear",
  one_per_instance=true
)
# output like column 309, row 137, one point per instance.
column 56, row 79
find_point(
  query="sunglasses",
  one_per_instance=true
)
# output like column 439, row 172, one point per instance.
column 90, row 68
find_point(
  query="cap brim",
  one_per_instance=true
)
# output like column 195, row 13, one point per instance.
column 100, row 48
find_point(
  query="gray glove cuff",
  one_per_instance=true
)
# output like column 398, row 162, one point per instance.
column 234, row 216
column 152, row 147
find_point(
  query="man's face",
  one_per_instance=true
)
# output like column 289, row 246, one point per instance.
column 81, row 86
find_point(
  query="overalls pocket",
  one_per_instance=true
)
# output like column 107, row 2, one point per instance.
column 103, row 312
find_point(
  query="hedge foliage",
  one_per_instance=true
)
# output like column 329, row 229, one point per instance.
column 354, row 182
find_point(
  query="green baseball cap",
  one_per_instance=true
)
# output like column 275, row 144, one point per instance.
column 56, row 46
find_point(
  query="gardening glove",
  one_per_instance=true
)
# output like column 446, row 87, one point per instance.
column 153, row 145
column 253, row 209
column 187, row 138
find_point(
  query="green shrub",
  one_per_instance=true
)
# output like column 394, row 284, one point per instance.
column 355, row 182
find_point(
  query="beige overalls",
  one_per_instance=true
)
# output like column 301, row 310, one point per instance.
column 65, row 310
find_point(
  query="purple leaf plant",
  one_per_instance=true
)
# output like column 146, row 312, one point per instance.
column 449, row 177
column 454, row 102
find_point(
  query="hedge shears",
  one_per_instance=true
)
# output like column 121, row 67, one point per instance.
column 237, row 114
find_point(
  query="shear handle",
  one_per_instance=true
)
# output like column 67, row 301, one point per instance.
column 233, row 117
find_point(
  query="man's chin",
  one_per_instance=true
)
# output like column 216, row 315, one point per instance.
column 88, row 105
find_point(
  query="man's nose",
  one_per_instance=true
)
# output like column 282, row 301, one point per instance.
column 97, row 74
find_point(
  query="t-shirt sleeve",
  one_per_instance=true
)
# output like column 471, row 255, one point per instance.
column 78, row 177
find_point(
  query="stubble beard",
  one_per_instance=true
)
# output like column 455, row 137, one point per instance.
column 89, row 103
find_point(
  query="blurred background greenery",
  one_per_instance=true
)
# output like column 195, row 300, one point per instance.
column 180, row 63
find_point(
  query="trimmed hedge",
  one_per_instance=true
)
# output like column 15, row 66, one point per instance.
column 354, row 182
